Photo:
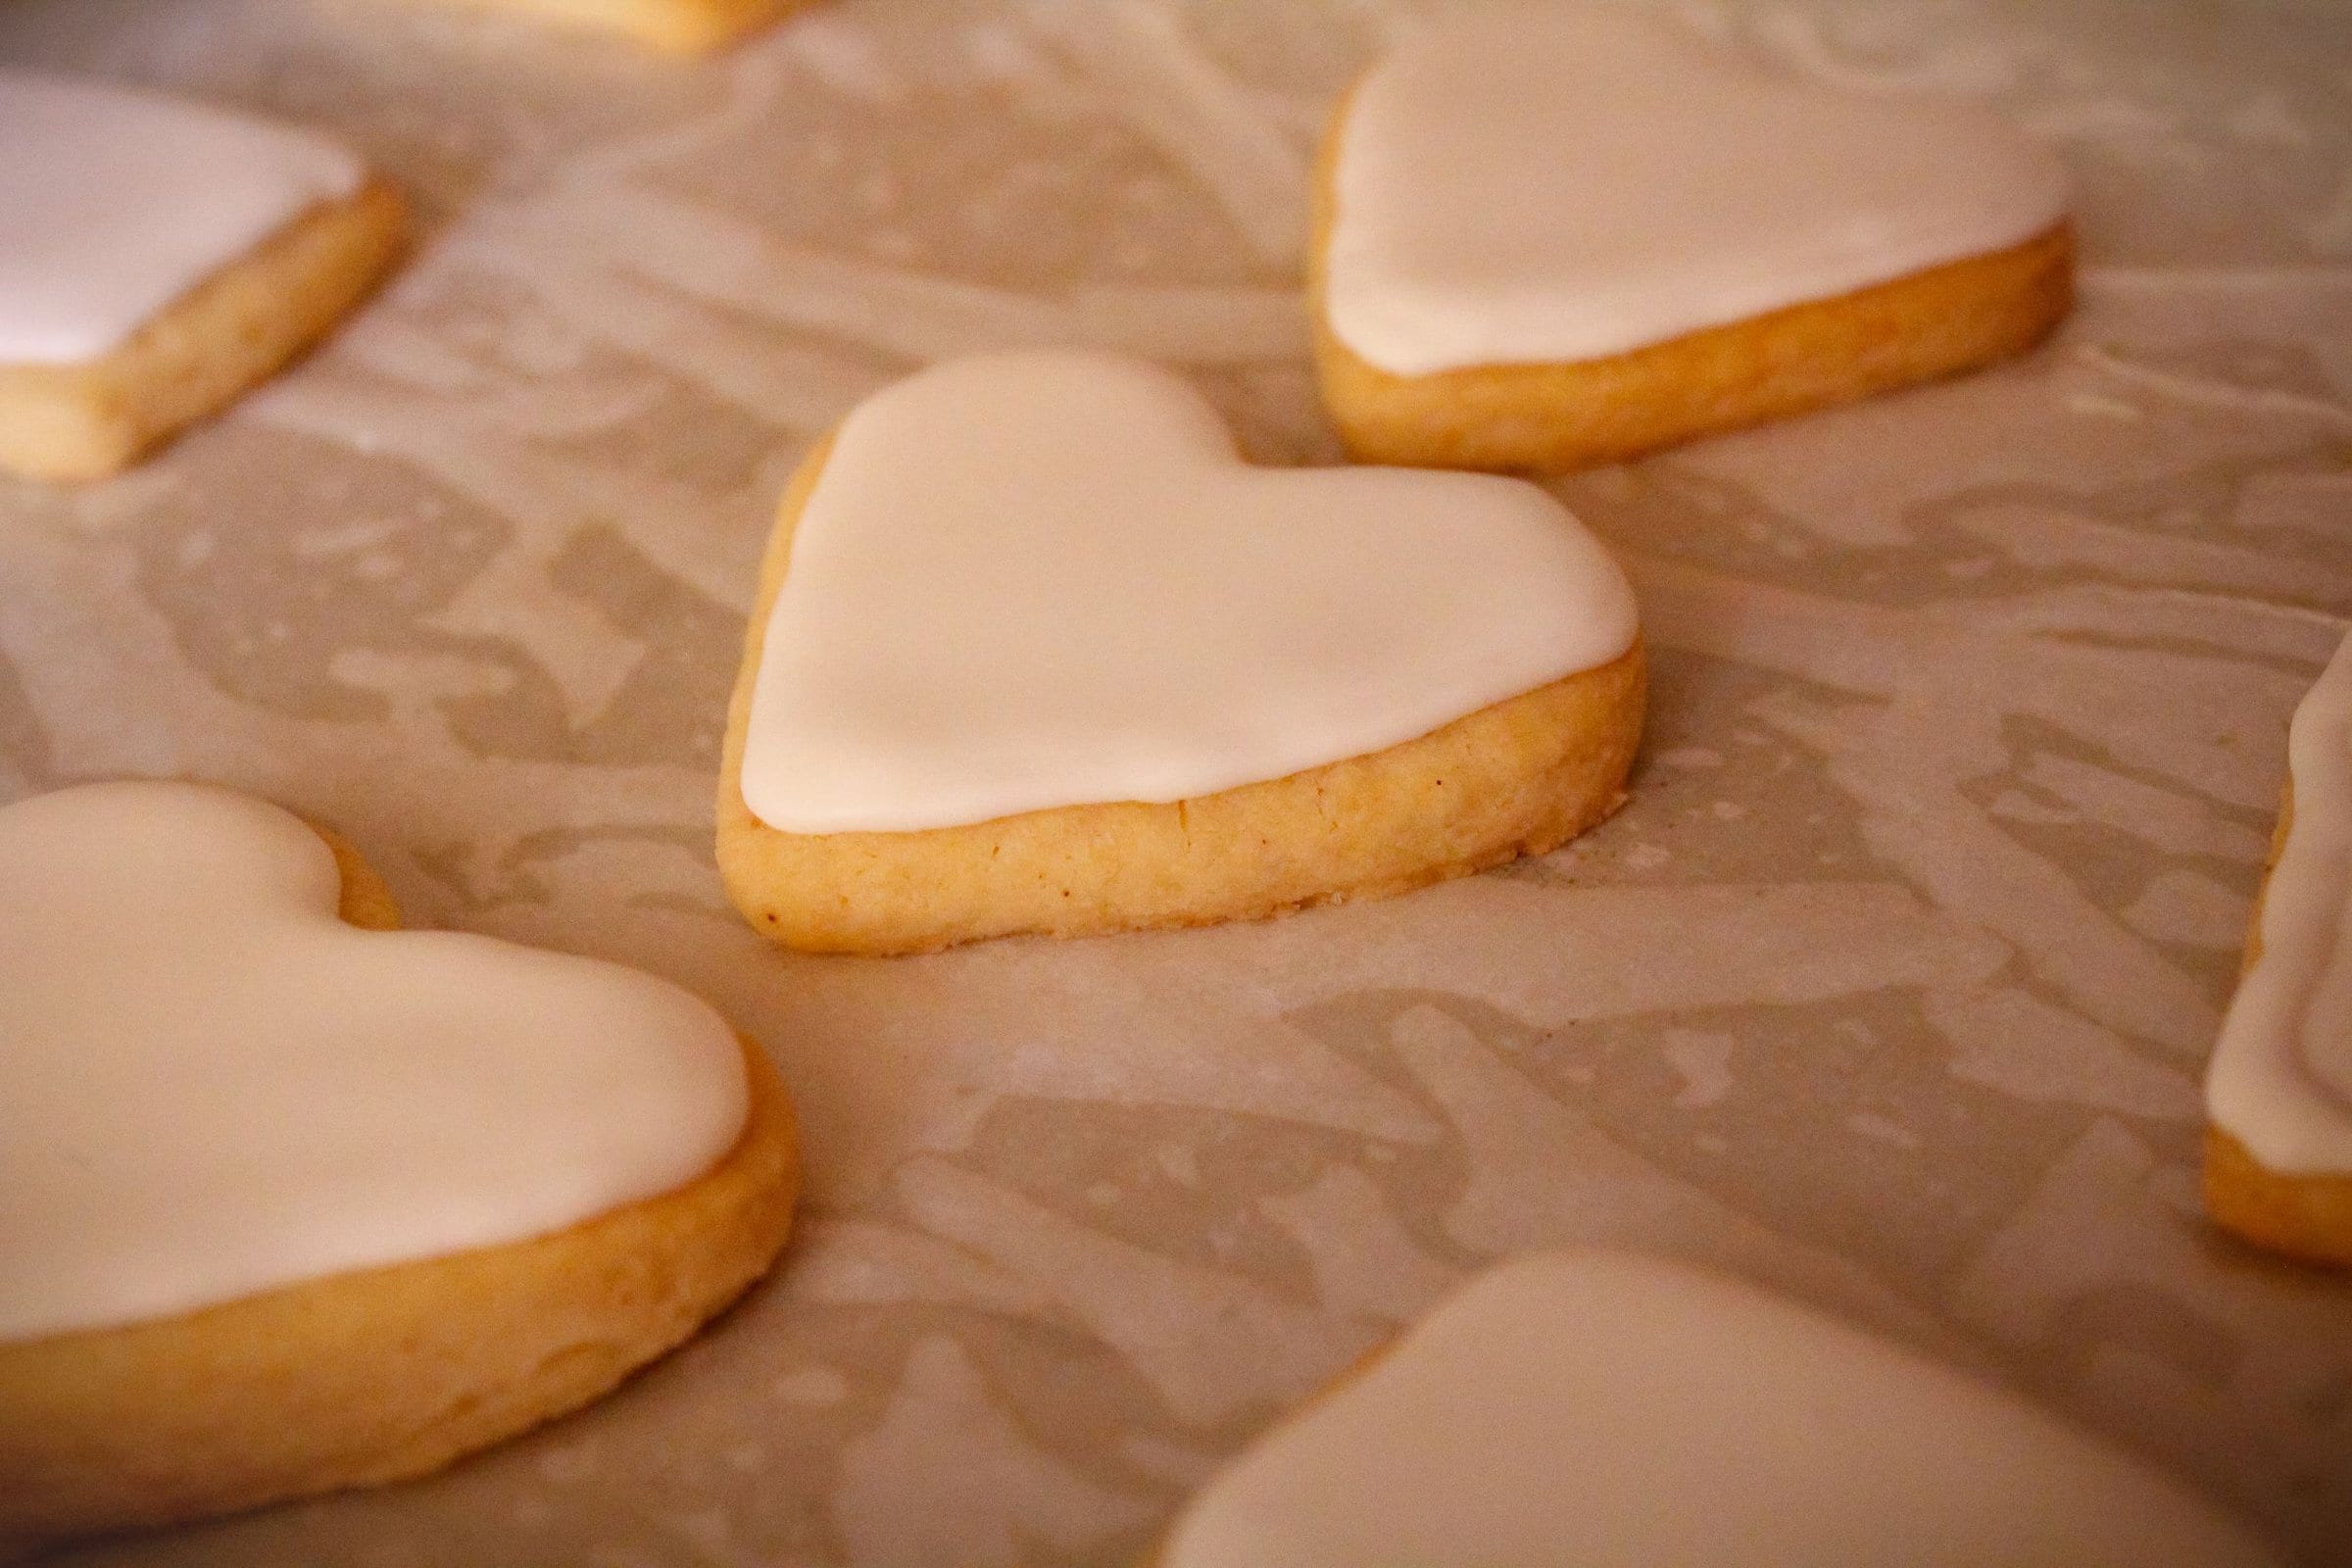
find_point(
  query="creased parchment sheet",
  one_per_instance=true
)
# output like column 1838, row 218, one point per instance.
column 1892, row 986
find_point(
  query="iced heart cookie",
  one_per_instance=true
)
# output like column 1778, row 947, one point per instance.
column 681, row 27
column 1591, row 1408
column 2278, row 1093
column 1035, row 651
column 289, row 1202
column 157, row 257
column 1547, row 239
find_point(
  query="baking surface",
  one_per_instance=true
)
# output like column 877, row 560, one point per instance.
column 1892, row 986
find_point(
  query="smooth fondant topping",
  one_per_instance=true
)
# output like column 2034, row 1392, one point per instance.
column 211, row 1086
column 1047, row 580
column 1602, row 1408
column 115, row 203
column 1556, row 185
column 2280, row 1082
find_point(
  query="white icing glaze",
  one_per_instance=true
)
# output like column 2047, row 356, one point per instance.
column 115, row 203
column 211, row 1086
column 1046, row 579
column 1557, row 185
column 1601, row 1409
column 2280, row 1081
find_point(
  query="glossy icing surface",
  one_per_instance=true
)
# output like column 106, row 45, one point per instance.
column 1047, row 580
column 2280, row 1081
column 1603, row 1408
column 1576, row 182
column 212, row 1086
column 113, row 203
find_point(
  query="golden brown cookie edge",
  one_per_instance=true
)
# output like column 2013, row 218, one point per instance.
column 1526, row 775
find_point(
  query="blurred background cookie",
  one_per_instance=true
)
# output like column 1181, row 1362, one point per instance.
column 1591, row 1408
column 2279, row 1091
column 158, row 257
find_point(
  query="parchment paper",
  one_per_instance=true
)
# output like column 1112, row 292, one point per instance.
column 1892, row 986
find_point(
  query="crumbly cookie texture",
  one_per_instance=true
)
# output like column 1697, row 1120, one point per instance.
column 380, row 1373
column 2304, row 1214
column 1520, row 778
column 679, row 27
column 231, row 331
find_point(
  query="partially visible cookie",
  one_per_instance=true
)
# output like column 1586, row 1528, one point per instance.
column 157, row 259
column 2279, row 1093
column 1546, row 240
column 1593, row 1409
column 680, row 27
column 290, row 1203
column 1034, row 651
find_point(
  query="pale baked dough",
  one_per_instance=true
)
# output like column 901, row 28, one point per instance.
column 681, row 27
column 1559, row 416
column 383, row 1373
column 2302, row 1215
column 86, row 422
column 1521, row 777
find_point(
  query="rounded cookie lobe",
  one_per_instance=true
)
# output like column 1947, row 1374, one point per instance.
column 215, row 1087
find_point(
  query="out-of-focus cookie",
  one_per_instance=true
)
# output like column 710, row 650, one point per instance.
column 158, row 256
column 1035, row 651
column 679, row 27
column 1580, row 1409
column 291, row 1202
column 2279, row 1093
column 1549, row 239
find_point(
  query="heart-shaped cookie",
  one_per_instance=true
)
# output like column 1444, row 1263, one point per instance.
column 1023, row 586
column 1516, row 193
column 250, row 1153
